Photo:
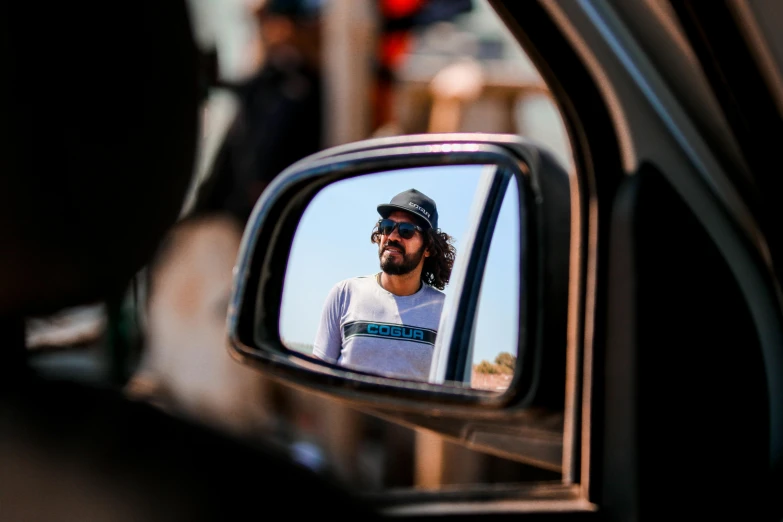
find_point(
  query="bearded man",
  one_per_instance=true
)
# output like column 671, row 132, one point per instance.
column 386, row 323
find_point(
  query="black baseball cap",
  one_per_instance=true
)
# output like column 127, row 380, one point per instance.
column 414, row 202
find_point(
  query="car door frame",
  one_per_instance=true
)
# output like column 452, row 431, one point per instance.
column 610, row 95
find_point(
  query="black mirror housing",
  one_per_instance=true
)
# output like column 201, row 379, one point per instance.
column 535, row 394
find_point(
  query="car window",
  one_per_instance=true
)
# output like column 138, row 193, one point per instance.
column 361, row 69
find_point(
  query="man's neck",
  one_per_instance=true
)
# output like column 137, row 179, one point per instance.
column 407, row 284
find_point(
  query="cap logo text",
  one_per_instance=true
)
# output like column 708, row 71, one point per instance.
column 417, row 207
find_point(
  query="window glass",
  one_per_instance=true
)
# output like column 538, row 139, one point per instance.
column 317, row 74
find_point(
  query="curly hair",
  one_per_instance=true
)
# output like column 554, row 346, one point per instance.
column 437, row 267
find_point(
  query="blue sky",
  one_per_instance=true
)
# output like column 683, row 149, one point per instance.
column 333, row 243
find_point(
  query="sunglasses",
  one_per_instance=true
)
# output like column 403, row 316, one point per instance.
column 406, row 230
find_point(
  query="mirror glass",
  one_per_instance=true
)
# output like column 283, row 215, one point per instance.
column 369, row 288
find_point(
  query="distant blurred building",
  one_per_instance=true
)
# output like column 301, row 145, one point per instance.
column 469, row 75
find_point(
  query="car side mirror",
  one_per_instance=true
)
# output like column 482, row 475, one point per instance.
column 444, row 307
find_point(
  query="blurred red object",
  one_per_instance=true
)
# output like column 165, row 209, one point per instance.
column 399, row 18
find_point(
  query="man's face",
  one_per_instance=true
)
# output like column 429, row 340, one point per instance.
column 398, row 255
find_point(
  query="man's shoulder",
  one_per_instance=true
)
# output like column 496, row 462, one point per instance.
column 434, row 293
column 354, row 283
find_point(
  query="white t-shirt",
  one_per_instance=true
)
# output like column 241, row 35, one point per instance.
column 368, row 328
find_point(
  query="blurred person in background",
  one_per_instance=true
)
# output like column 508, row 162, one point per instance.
column 185, row 367
column 280, row 116
column 82, row 212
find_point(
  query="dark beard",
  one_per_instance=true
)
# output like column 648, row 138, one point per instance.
column 409, row 261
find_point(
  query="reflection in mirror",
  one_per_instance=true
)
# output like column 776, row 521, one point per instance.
column 369, row 269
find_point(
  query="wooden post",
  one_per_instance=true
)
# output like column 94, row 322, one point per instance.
column 350, row 29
